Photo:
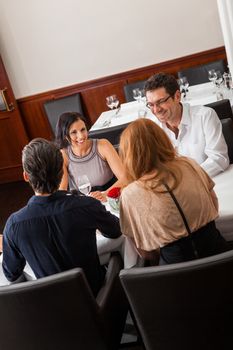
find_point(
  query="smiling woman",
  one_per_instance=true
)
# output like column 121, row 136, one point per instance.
column 83, row 156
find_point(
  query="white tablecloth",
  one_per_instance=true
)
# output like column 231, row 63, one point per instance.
column 203, row 94
column 224, row 190
column 128, row 113
column 200, row 94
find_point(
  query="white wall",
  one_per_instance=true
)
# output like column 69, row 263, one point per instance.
column 48, row 44
column 225, row 8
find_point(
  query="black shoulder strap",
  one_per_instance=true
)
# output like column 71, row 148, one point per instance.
column 184, row 219
column 179, row 208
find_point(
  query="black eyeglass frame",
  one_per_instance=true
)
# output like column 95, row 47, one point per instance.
column 158, row 103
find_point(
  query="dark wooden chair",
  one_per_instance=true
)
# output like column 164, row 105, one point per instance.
column 112, row 134
column 227, row 130
column 54, row 108
column 199, row 74
column 128, row 89
column 222, row 108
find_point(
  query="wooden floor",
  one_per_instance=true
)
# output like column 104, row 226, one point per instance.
column 13, row 196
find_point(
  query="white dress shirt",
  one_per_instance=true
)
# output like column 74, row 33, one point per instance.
column 200, row 137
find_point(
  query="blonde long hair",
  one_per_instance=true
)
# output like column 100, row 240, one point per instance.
column 146, row 149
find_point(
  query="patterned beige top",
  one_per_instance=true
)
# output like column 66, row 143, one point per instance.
column 153, row 219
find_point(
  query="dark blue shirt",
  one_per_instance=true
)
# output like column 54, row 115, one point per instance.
column 56, row 233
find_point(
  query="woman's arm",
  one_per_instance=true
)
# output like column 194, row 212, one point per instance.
column 64, row 180
column 108, row 153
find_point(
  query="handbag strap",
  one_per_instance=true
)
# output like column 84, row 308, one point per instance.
column 184, row 219
column 179, row 208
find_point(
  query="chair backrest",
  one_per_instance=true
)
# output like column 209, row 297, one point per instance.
column 227, row 130
column 199, row 74
column 128, row 89
column 222, row 108
column 183, row 306
column 56, row 312
column 112, row 134
column 54, row 108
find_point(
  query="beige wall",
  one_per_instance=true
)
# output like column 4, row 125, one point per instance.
column 48, row 44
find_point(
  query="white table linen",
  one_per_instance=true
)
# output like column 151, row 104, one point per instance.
column 200, row 94
column 203, row 94
column 224, row 190
column 128, row 113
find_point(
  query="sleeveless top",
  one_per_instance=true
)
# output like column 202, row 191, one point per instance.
column 93, row 165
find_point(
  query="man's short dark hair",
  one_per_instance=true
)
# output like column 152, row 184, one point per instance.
column 43, row 162
column 162, row 80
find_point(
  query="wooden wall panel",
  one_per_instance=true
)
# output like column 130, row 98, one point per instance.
column 11, row 143
column 95, row 98
column 94, row 92
column 12, row 134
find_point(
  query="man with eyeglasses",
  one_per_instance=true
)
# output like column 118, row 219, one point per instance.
column 195, row 131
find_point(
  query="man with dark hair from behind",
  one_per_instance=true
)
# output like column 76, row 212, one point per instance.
column 56, row 230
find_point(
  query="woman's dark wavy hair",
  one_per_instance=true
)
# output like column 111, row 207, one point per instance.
column 62, row 137
column 43, row 162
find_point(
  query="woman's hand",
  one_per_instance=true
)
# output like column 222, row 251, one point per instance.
column 101, row 196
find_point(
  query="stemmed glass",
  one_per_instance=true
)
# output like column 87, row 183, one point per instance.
column 218, row 83
column 137, row 94
column 184, row 84
column 219, row 78
column 113, row 102
column 212, row 76
column 84, row 184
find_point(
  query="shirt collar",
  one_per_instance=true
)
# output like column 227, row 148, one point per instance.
column 185, row 119
column 45, row 199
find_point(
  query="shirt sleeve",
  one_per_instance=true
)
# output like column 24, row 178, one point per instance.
column 216, row 147
column 13, row 262
column 205, row 178
column 127, row 217
column 107, row 223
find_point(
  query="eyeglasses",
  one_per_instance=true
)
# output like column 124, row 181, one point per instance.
column 158, row 103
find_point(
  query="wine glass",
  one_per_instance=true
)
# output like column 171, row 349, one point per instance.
column 219, row 78
column 110, row 101
column 184, row 84
column 137, row 94
column 113, row 102
column 84, row 184
column 227, row 80
column 212, row 76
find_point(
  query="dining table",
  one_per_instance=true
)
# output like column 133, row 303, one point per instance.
column 200, row 94
column 203, row 94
